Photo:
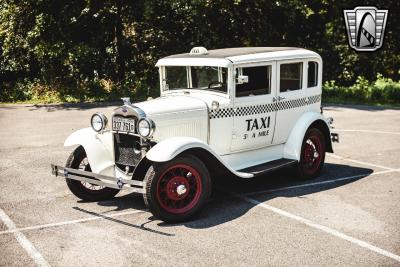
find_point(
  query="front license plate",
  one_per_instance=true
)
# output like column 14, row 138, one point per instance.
column 123, row 125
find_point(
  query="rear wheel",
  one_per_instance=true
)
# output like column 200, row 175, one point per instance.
column 177, row 190
column 312, row 154
column 84, row 190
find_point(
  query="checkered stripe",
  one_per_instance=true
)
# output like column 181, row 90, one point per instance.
column 314, row 99
column 221, row 113
column 294, row 103
column 260, row 109
column 245, row 111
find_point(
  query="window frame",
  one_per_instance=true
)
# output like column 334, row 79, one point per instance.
column 239, row 69
column 278, row 76
column 316, row 74
column 163, row 74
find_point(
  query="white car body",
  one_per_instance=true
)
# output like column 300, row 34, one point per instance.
column 242, row 132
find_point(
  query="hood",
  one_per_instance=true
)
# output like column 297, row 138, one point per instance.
column 177, row 115
column 171, row 104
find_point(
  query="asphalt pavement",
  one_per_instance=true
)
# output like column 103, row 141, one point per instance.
column 349, row 216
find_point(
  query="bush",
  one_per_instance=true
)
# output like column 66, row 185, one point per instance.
column 87, row 91
column 381, row 91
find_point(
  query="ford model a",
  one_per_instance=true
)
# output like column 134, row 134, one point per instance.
column 247, row 111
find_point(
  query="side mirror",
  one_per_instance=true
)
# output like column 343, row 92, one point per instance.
column 242, row 79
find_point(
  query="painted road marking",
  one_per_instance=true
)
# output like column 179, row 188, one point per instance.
column 23, row 241
column 361, row 162
column 35, row 227
column 323, row 228
column 353, row 177
column 366, row 131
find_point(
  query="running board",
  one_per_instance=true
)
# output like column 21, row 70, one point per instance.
column 98, row 179
column 269, row 166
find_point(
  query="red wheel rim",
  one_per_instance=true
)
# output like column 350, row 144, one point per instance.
column 312, row 154
column 179, row 188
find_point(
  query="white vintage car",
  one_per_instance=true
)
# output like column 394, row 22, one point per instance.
column 245, row 111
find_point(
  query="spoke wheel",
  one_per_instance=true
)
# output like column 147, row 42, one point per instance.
column 84, row 190
column 179, row 188
column 312, row 154
column 84, row 166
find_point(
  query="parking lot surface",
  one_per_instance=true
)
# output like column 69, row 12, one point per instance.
column 348, row 216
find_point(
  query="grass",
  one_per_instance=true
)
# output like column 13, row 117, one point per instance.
column 346, row 101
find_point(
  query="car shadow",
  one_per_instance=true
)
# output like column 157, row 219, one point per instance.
column 227, row 205
column 121, row 203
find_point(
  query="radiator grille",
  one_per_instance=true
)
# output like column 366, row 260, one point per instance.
column 125, row 153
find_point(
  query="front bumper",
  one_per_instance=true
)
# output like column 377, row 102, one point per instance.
column 98, row 179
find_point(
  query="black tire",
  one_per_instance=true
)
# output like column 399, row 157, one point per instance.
column 77, row 188
column 310, row 166
column 161, row 176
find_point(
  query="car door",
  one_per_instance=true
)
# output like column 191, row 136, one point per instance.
column 253, row 107
column 290, row 99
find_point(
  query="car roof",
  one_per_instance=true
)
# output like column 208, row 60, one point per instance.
column 234, row 51
column 227, row 56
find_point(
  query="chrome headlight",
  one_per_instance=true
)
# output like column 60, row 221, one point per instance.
column 146, row 127
column 98, row 122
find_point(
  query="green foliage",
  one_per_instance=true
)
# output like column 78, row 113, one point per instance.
column 381, row 91
column 82, row 50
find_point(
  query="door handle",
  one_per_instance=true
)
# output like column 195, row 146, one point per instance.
column 281, row 98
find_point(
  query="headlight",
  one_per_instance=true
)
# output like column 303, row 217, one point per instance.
column 98, row 122
column 146, row 127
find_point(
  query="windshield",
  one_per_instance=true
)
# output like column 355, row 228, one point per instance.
column 191, row 77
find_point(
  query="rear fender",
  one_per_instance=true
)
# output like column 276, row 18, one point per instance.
column 98, row 147
column 169, row 148
column 292, row 148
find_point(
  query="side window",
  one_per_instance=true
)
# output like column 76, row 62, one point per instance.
column 291, row 76
column 259, row 81
column 312, row 79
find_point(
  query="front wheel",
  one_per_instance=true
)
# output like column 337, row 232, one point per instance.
column 84, row 190
column 176, row 190
column 312, row 154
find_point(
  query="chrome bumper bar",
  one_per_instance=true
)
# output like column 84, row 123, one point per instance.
column 98, row 179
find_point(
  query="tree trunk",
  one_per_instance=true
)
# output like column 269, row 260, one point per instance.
column 119, row 40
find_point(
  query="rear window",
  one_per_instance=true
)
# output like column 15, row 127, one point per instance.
column 291, row 76
column 312, row 76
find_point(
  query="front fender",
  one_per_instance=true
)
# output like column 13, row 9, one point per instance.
column 98, row 147
column 292, row 148
column 170, row 148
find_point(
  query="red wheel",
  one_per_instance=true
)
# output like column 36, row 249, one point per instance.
column 179, row 188
column 312, row 154
column 176, row 190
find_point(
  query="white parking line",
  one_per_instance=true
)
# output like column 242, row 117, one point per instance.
column 353, row 177
column 366, row 131
column 35, row 227
column 14, row 230
column 361, row 162
column 23, row 241
column 323, row 228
